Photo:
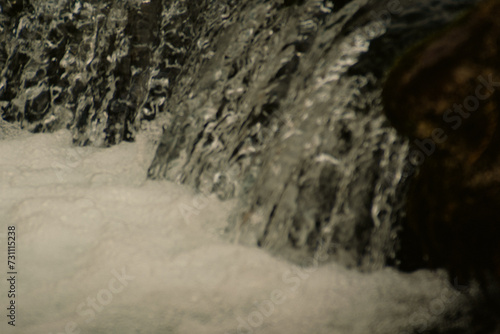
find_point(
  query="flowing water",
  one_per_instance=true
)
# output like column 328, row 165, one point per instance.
column 100, row 249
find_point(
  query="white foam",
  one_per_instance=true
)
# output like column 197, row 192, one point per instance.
column 87, row 215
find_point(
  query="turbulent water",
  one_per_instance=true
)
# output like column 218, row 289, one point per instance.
column 273, row 106
column 100, row 249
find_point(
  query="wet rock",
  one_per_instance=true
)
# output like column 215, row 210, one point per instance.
column 444, row 95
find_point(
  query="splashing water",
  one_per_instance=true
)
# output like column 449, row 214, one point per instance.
column 102, row 250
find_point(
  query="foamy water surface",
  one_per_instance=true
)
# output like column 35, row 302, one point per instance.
column 100, row 249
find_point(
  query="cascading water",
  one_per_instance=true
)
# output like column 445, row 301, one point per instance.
column 270, row 109
column 291, row 122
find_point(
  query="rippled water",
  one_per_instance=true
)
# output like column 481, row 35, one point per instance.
column 102, row 250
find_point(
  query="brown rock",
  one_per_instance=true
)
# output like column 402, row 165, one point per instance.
column 445, row 95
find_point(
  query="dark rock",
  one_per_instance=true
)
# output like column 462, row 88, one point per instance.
column 445, row 96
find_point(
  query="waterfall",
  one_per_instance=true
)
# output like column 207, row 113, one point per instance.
column 234, row 156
